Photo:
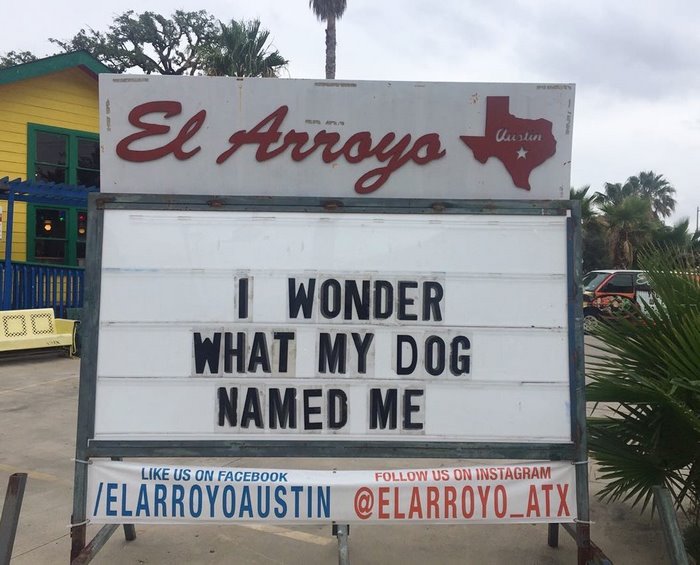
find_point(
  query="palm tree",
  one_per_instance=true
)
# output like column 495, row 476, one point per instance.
column 657, row 189
column 647, row 370
column 581, row 194
column 329, row 11
column 595, row 253
column 676, row 236
column 629, row 225
column 241, row 50
column 613, row 193
column 677, row 239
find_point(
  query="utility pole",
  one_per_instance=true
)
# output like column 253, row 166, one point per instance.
column 697, row 217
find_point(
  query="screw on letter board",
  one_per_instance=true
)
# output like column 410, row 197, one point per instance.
column 332, row 206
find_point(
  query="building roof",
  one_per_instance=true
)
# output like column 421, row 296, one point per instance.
column 76, row 59
column 46, row 193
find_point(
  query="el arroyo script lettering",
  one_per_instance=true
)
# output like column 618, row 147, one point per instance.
column 271, row 142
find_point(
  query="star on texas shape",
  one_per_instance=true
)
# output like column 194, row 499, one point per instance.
column 520, row 144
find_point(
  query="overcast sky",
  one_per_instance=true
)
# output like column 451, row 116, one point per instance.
column 635, row 63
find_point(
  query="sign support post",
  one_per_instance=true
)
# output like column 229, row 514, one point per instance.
column 583, row 528
column 342, row 533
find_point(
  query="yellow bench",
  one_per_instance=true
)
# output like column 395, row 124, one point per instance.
column 35, row 329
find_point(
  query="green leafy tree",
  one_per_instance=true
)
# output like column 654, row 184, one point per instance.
column 241, row 50
column 12, row 58
column 150, row 42
column 646, row 371
column 329, row 11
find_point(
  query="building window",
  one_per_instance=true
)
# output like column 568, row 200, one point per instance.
column 56, row 235
column 63, row 156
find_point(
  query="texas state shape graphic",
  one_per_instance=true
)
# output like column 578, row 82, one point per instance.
column 520, row 144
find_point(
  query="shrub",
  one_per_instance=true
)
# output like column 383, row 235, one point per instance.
column 647, row 368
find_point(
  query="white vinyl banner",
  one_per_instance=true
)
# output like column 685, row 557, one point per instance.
column 137, row 493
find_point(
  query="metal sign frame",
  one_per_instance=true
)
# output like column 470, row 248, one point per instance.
column 87, row 447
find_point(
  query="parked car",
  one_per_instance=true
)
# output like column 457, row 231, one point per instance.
column 610, row 293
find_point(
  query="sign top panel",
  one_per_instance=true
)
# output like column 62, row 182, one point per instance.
column 285, row 137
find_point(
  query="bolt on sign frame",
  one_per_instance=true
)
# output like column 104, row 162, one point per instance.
column 494, row 215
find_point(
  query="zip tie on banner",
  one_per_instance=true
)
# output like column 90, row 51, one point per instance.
column 580, row 462
column 577, row 521
column 83, row 523
column 81, row 461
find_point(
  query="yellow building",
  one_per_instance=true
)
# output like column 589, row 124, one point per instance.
column 49, row 123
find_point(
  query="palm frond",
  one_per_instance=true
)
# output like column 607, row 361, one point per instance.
column 647, row 367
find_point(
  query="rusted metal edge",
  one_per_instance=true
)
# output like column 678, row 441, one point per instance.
column 321, row 448
column 101, row 201
column 595, row 554
column 10, row 515
column 187, row 202
column 577, row 381
column 88, row 369
column 553, row 535
column 88, row 553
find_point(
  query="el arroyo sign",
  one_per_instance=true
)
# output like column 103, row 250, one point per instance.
column 298, row 137
column 268, row 326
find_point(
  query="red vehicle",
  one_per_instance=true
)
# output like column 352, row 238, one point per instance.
column 609, row 293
